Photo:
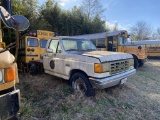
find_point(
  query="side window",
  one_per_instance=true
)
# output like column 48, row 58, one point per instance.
column 53, row 45
column 94, row 41
column 114, row 41
column 101, row 42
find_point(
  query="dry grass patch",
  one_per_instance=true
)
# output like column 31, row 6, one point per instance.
column 45, row 97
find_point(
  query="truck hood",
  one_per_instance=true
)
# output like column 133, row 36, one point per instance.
column 103, row 56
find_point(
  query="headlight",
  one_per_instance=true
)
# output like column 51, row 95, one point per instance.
column 100, row 68
column 1, row 77
column 131, row 62
column 106, row 67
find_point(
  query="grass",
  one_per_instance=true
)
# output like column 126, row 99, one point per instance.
column 46, row 97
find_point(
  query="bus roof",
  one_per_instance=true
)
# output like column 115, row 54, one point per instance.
column 99, row 35
column 145, row 42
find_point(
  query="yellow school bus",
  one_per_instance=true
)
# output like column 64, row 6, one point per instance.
column 32, row 46
column 153, row 46
column 117, row 41
column 9, row 94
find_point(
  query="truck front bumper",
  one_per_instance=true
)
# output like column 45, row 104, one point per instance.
column 101, row 83
column 9, row 104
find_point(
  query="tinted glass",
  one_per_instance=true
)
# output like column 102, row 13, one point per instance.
column 53, row 45
column 32, row 42
column 78, row 44
column 43, row 43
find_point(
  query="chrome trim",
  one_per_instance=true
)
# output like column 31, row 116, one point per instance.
column 101, row 83
column 119, row 66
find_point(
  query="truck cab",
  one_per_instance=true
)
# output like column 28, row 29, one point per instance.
column 78, row 61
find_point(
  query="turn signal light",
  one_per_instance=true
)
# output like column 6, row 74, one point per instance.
column 9, row 74
column 98, row 68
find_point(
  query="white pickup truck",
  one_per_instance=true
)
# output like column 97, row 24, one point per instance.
column 79, row 61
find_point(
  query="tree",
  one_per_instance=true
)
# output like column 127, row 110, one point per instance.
column 98, row 25
column 141, row 30
column 157, row 34
column 26, row 8
column 92, row 8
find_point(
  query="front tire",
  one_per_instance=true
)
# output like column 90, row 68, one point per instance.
column 80, row 83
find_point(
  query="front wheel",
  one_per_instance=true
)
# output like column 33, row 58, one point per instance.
column 80, row 83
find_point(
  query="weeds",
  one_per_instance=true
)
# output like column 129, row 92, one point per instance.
column 52, row 99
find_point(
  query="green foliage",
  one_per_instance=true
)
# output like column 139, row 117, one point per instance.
column 74, row 22
column 49, row 16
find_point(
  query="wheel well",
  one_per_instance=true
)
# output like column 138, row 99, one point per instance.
column 76, row 70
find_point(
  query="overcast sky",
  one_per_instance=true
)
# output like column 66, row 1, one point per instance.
column 125, row 12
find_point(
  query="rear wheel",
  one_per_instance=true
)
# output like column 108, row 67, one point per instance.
column 81, row 84
column 33, row 69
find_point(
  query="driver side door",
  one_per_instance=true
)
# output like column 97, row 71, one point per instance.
column 53, row 60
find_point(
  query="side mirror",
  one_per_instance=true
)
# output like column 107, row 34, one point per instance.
column 49, row 50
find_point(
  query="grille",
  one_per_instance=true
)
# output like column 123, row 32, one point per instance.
column 119, row 66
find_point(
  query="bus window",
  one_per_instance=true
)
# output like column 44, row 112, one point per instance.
column 43, row 43
column 94, row 41
column 115, row 41
column 101, row 42
column 32, row 42
column 122, row 40
column 21, row 43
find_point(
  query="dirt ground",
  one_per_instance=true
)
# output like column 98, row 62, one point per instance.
column 45, row 97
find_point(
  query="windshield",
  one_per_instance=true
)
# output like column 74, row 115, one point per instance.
column 77, row 44
column 43, row 43
column 123, row 40
column 32, row 42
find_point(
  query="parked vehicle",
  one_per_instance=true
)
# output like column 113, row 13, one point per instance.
column 153, row 46
column 9, row 95
column 116, row 42
column 78, row 61
column 32, row 46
